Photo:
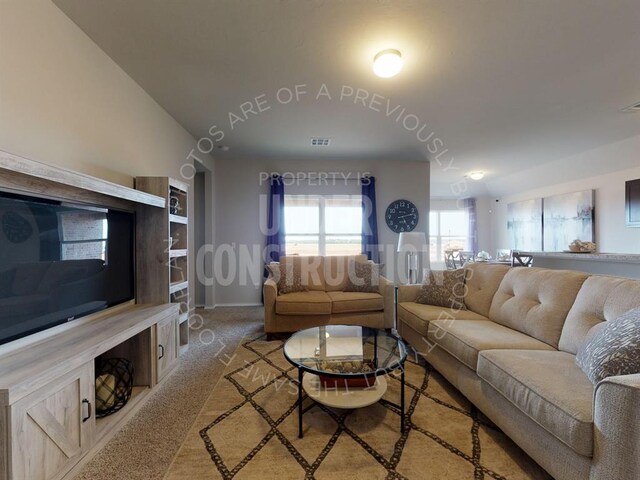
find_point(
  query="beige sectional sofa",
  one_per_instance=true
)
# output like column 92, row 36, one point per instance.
column 512, row 354
column 325, row 302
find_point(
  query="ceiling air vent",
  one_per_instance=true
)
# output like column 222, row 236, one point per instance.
column 632, row 108
column 320, row 142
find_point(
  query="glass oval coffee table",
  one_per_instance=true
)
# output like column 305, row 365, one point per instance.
column 343, row 366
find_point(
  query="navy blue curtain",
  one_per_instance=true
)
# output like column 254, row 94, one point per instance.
column 275, row 221
column 369, row 219
column 275, row 247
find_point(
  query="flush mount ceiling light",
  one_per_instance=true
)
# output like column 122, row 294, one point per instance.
column 476, row 175
column 387, row 63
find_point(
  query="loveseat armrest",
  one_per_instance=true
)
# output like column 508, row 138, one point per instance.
column 383, row 283
column 408, row 293
column 388, row 292
column 269, row 292
column 616, row 419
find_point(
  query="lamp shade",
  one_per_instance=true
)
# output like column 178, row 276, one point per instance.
column 412, row 242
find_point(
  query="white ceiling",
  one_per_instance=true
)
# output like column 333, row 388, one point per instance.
column 503, row 84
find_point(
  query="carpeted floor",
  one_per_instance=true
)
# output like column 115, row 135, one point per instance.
column 144, row 448
column 248, row 430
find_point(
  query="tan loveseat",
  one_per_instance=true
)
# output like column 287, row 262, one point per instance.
column 512, row 354
column 325, row 302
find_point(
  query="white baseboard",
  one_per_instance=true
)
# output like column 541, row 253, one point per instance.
column 237, row 305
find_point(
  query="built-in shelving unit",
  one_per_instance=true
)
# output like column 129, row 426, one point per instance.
column 178, row 219
column 178, row 253
column 48, row 426
column 165, row 256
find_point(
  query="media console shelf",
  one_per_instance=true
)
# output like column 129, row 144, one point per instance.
column 48, row 428
column 47, row 387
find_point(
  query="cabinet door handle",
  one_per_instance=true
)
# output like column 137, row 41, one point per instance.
column 88, row 404
column 161, row 350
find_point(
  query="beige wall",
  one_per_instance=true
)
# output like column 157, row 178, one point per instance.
column 238, row 206
column 63, row 101
column 604, row 169
column 611, row 233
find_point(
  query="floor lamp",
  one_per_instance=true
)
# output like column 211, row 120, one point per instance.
column 412, row 243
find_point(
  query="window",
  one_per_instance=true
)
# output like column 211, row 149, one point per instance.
column 448, row 230
column 317, row 225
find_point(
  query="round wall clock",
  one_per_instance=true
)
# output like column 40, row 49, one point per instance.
column 401, row 216
column 16, row 228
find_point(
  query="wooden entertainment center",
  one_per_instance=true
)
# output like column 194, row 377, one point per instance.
column 48, row 427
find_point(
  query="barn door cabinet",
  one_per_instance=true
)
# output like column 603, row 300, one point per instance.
column 48, row 423
column 53, row 427
column 167, row 346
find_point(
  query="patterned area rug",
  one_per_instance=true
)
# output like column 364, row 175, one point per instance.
column 248, row 429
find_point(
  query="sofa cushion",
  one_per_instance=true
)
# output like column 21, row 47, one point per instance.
column 536, row 301
column 303, row 303
column 311, row 269
column 363, row 277
column 600, row 299
column 443, row 288
column 465, row 339
column 482, row 281
column 549, row 388
column 612, row 350
column 348, row 302
column 418, row 316
column 336, row 272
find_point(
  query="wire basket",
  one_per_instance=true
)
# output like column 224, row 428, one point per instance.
column 114, row 384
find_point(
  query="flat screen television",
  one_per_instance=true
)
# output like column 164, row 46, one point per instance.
column 60, row 262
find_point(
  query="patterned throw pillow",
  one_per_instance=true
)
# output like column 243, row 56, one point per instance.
column 613, row 350
column 363, row 277
column 444, row 288
column 288, row 276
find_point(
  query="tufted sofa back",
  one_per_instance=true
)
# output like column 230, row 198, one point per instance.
column 482, row 281
column 600, row 299
column 536, row 301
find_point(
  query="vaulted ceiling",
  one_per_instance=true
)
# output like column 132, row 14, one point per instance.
column 502, row 84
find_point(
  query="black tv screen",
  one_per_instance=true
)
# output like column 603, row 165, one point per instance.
column 59, row 262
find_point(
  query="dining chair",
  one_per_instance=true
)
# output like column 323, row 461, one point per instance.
column 520, row 259
column 454, row 259
column 467, row 256
column 449, row 259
